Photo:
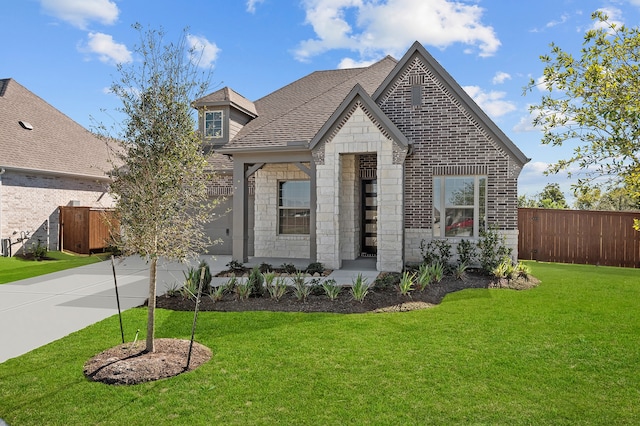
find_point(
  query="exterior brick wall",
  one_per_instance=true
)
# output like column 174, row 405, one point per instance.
column 444, row 134
column 30, row 204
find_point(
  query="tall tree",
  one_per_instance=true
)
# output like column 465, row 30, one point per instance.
column 552, row 197
column 160, row 184
column 594, row 99
column 595, row 198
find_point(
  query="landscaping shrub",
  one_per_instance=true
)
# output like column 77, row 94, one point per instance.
column 359, row 288
column 256, row 281
column 467, row 252
column 436, row 251
column 492, row 249
column 315, row 267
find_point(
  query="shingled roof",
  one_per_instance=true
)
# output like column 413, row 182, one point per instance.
column 296, row 112
column 36, row 136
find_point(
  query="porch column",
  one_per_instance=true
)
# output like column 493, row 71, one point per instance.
column 313, row 202
column 240, row 206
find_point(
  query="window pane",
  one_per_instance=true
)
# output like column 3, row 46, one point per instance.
column 482, row 201
column 294, row 221
column 295, row 194
column 213, row 124
column 459, row 191
column 459, row 222
column 459, row 205
column 437, row 206
column 294, row 207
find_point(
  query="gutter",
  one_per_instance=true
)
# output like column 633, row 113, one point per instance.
column 54, row 173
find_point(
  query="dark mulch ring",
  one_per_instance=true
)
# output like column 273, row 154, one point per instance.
column 130, row 364
column 381, row 297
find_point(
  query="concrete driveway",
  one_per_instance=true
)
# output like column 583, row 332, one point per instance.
column 40, row 310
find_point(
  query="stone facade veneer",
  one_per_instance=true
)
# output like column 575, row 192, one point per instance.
column 414, row 237
column 337, row 207
column 268, row 243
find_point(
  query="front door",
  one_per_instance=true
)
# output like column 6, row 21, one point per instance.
column 369, row 217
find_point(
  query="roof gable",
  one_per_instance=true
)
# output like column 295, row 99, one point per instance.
column 227, row 96
column 359, row 94
column 51, row 142
column 455, row 90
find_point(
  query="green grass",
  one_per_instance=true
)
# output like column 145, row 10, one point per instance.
column 16, row 268
column 564, row 353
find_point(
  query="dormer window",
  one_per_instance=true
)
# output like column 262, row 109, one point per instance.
column 213, row 124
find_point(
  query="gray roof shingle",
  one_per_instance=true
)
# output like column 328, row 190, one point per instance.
column 56, row 144
column 297, row 111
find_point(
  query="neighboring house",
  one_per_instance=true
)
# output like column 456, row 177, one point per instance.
column 360, row 162
column 46, row 160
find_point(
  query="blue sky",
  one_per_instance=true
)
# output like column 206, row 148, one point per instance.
column 65, row 51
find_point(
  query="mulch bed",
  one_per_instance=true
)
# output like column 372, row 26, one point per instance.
column 379, row 299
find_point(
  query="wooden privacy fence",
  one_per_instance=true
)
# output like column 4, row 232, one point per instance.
column 84, row 229
column 579, row 236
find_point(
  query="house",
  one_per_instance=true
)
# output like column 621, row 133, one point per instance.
column 46, row 160
column 360, row 162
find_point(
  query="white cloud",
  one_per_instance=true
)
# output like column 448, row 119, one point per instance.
column 491, row 102
column 251, row 5
column 525, row 125
column 80, row 12
column 205, row 52
column 501, row 77
column 371, row 26
column 107, row 49
column 352, row 63
column 564, row 18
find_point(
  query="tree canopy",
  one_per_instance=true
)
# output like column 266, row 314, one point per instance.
column 551, row 197
column 594, row 100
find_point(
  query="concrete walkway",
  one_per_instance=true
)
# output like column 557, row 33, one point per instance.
column 40, row 310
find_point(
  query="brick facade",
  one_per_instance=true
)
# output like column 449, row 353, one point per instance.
column 447, row 140
column 30, row 203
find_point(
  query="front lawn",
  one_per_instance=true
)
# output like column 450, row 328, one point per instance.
column 17, row 268
column 566, row 352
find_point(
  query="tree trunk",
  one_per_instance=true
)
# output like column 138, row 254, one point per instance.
column 151, row 312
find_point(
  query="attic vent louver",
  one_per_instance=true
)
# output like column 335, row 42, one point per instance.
column 26, row 125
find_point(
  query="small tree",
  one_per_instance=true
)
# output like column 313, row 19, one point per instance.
column 160, row 182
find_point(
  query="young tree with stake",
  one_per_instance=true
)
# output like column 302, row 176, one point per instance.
column 159, row 183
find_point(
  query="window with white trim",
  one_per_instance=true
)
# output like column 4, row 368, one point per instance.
column 459, row 206
column 213, row 124
column 294, row 212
